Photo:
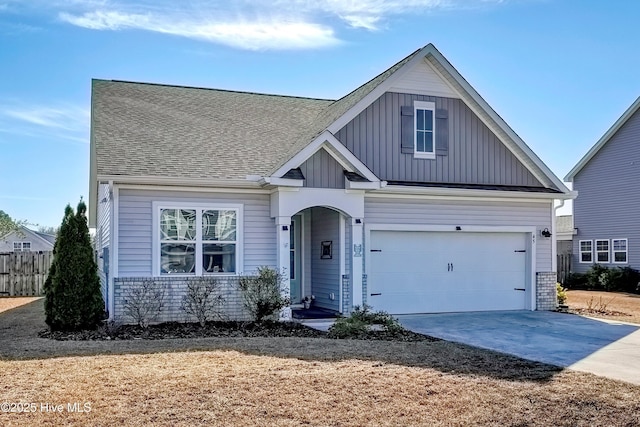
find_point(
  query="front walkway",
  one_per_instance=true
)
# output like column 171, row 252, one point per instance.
column 609, row 349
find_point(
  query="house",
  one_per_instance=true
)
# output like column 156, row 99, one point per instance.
column 24, row 239
column 409, row 194
column 606, row 212
column 564, row 234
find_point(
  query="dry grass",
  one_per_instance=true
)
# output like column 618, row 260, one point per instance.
column 618, row 305
column 292, row 381
column 8, row 303
column 236, row 388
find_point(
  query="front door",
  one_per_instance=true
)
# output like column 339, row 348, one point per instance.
column 295, row 272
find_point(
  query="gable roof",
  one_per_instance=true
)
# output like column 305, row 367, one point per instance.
column 48, row 239
column 603, row 140
column 141, row 129
column 180, row 134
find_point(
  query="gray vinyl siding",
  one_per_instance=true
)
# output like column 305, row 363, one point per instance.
column 475, row 154
column 103, row 236
column 322, row 171
column 609, row 195
column 136, row 221
column 325, row 273
column 462, row 213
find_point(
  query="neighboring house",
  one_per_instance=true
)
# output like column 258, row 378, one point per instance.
column 409, row 194
column 26, row 240
column 605, row 214
column 564, row 234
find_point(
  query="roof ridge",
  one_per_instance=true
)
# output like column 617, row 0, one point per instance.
column 215, row 89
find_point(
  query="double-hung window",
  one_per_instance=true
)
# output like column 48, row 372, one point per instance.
column 620, row 250
column 602, row 251
column 586, row 251
column 197, row 239
column 424, row 126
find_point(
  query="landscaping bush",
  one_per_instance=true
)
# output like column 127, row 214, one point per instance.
column 262, row 294
column 561, row 294
column 575, row 281
column 621, row 279
column 203, row 299
column 144, row 303
column 73, row 300
column 361, row 321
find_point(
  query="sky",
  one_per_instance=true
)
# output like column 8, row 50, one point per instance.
column 559, row 72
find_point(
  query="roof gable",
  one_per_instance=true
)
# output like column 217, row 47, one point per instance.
column 182, row 133
column 608, row 135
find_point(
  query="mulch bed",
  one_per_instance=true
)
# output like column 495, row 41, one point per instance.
column 592, row 312
column 172, row 330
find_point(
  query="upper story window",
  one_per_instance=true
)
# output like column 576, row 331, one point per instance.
column 424, row 125
column 602, row 251
column 586, row 251
column 197, row 240
column 21, row 246
column 620, row 251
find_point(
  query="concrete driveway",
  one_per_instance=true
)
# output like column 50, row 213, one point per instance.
column 603, row 348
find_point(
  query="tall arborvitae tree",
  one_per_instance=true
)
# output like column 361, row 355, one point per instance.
column 73, row 299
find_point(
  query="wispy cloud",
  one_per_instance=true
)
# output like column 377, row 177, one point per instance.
column 61, row 121
column 246, row 24
column 244, row 34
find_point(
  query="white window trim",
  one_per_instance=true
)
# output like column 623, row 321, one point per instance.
column 626, row 251
column 580, row 252
column 597, row 252
column 158, row 206
column 19, row 246
column 423, row 105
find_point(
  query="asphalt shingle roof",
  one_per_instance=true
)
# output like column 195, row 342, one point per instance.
column 142, row 129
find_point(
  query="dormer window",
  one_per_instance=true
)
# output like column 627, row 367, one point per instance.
column 424, row 125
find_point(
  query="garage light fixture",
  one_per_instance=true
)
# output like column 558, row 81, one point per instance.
column 545, row 233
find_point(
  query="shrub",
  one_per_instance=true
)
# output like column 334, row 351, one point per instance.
column 561, row 293
column 143, row 304
column 596, row 277
column 360, row 323
column 623, row 279
column 262, row 294
column 73, row 299
column 575, row 281
column 203, row 299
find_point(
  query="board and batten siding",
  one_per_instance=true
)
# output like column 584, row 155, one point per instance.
column 136, row 227
column 380, row 210
column 322, row 171
column 325, row 273
column 475, row 155
column 608, row 199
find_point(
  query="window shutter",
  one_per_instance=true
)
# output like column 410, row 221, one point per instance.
column 442, row 132
column 406, row 129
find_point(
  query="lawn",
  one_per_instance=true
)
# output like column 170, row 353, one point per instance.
column 294, row 381
column 7, row 303
column 618, row 306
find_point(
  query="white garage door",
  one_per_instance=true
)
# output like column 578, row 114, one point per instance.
column 435, row 272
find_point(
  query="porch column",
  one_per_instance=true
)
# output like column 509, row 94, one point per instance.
column 283, row 226
column 357, row 254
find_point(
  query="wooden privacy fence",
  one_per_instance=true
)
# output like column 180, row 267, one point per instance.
column 24, row 273
column 564, row 267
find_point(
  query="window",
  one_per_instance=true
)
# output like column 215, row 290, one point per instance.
column 21, row 246
column 586, row 251
column 602, row 251
column 424, row 125
column 619, row 251
column 197, row 240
